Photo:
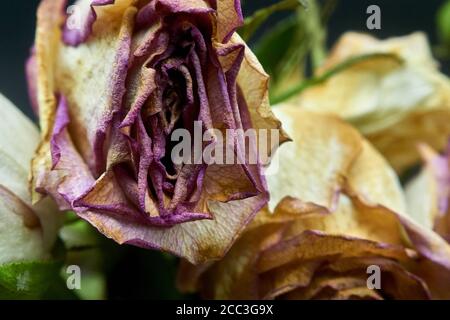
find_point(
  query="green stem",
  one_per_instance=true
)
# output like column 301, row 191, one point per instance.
column 316, row 32
column 298, row 89
column 252, row 23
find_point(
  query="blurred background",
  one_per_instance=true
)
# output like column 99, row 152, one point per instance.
column 399, row 17
column 127, row 272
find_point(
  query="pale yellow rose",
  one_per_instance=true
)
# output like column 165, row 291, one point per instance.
column 27, row 233
column 336, row 209
column 396, row 100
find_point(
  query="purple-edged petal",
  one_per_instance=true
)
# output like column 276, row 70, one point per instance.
column 111, row 94
column 198, row 242
column 70, row 176
column 94, row 86
column 31, row 72
column 80, row 21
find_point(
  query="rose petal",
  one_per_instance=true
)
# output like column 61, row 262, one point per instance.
column 394, row 105
column 86, row 13
column 321, row 178
column 429, row 193
column 20, row 231
column 27, row 232
column 196, row 241
column 303, row 250
column 99, row 65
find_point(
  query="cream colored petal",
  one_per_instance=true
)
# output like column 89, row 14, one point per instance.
column 422, row 199
column 234, row 276
column 398, row 143
column 367, row 218
column 313, row 166
column 198, row 241
column 20, row 138
column 13, row 176
column 25, row 233
column 396, row 105
column 20, row 232
column 372, row 179
column 88, row 76
column 229, row 17
column 352, row 218
column 48, row 34
column 287, row 278
column 414, row 48
column 253, row 83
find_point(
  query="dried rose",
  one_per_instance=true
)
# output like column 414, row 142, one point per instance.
column 395, row 100
column 428, row 194
column 111, row 90
column 27, row 233
column 337, row 212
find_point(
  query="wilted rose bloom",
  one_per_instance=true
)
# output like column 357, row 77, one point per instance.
column 27, row 233
column 336, row 228
column 428, row 194
column 396, row 101
column 111, row 89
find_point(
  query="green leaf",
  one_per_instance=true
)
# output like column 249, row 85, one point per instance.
column 27, row 280
column 443, row 22
column 299, row 88
column 272, row 49
column 284, row 50
column 252, row 23
column 79, row 235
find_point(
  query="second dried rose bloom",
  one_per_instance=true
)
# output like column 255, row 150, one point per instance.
column 111, row 85
column 396, row 98
column 337, row 211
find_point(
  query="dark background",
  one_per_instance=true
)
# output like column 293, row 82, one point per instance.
column 17, row 25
